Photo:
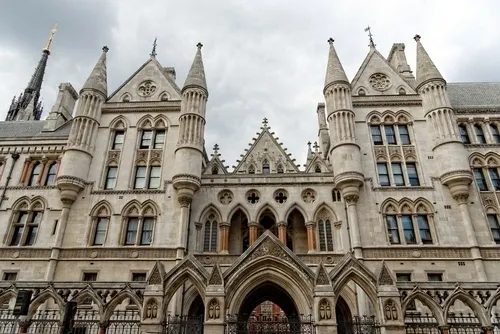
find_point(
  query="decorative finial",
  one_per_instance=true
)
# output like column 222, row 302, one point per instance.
column 153, row 52
column 264, row 122
column 51, row 38
column 216, row 149
column 417, row 38
column 199, row 46
column 309, row 144
column 105, row 49
column 369, row 29
column 330, row 41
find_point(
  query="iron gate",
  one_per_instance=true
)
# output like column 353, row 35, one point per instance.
column 359, row 325
column 464, row 324
column 8, row 322
column 45, row 322
column 264, row 324
column 183, row 325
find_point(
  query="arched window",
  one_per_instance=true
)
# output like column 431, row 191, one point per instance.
column 336, row 197
column 479, row 134
column 408, row 223
column 111, row 174
column 495, row 134
column 251, row 169
column 35, row 174
column 279, row 169
column 464, row 134
column 317, row 169
column 25, row 224
column 215, row 170
column 51, row 174
column 139, row 226
column 210, row 234
column 402, row 91
column 486, row 173
column 100, row 222
column 361, row 92
column 325, row 234
column 265, row 167
column 118, row 140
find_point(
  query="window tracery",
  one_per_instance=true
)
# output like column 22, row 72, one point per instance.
column 146, row 88
column 139, row 223
column 308, row 195
column 99, row 225
column 408, row 222
column 39, row 171
column 325, row 233
column 280, row 196
column 25, row 222
column 225, row 197
column 479, row 131
column 253, row 196
column 210, row 233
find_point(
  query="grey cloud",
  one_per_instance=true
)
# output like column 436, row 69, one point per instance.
column 262, row 58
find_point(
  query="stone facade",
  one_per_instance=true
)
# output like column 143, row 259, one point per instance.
column 118, row 206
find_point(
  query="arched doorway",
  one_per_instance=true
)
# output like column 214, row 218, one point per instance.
column 343, row 315
column 269, row 308
column 197, row 308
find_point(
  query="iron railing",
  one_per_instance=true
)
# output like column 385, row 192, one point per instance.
column 183, row 324
column 8, row 322
column 269, row 323
column 417, row 323
column 45, row 322
column 461, row 323
column 359, row 325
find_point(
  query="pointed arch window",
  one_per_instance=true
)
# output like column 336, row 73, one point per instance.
column 100, row 222
column 265, row 167
column 146, row 138
column 51, row 174
column 35, row 174
column 481, row 139
column 494, row 227
column 251, row 169
column 280, row 169
column 376, row 135
column 139, row 228
column 118, row 140
column 408, row 225
column 390, row 135
column 464, row 133
column 210, row 234
column 215, row 170
column 325, row 234
column 25, row 224
column 495, row 133
column 404, row 135
column 317, row 169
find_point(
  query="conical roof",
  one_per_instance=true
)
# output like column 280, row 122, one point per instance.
column 98, row 77
column 196, row 75
column 334, row 70
column 426, row 70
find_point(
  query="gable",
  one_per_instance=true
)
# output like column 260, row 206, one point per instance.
column 266, row 147
column 377, row 77
column 150, row 82
column 317, row 161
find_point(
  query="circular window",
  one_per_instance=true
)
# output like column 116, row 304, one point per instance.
column 280, row 196
column 253, row 196
column 309, row 196
column 225, row 196
column 147, row 88
column 380, row 82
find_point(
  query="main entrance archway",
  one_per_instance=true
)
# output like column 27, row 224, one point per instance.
column 269, row 308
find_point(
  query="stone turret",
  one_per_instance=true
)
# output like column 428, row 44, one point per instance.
column 449, row 151
column 323, row 135
column 76, row 161
column 397, row 59
column 345, row 155
column 189, row 151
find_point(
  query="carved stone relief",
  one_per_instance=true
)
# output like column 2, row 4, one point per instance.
column 147, row 88
column 151, row 309
column 214, row 309
column 390, row 310
column 325, row 310
column 380, row 82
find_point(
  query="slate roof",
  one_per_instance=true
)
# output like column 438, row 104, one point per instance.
column 474, row 94
column 28, row 129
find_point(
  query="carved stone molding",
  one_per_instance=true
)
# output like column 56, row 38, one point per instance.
column 325, row 310
column 151, row 309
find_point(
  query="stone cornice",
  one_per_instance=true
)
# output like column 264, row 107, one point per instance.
column 278, row 179
column 468, row 146
column 38, row 149
column 26, row 187
column 386, row 100
column 478, row 110
column 128, row 107
column 128, row 191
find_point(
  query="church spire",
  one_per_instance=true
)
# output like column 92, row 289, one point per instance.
column 98, row 77
column 334, row 71
column 28, row 106
column 426, row 70
column 196, row 75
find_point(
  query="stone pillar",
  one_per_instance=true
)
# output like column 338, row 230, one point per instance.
column 352, row 214
column 224, row 238
column 444, row 329
column 388, row 302
column 42, row 170
column 184, row 200
column 61, row 229
column 103, row 326
column 324, row 310
column 199, row 237
column 252, row 231
column 24, row 324
column 153, row 307
column 215, row 307
column 282, row 232
column 25, row 170
column 461, row 199
column 310, row 237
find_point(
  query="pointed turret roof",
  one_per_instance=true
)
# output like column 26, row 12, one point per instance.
column 196, row 75
column 426, row 70
column 334, row 70
column 97, row 79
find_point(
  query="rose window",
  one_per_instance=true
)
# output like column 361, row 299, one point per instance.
column 380, row 82
column 147, row 88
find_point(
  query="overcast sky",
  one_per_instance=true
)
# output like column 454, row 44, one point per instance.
column 263, row 58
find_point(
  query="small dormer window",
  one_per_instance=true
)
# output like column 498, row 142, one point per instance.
column 215, row 170
column 402, row 91
column 361, row 92
column 265, row 167
column 317, row 169
column 251, row 170
column 280, row 169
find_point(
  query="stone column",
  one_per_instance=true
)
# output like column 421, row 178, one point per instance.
column 42, row 170
column 352, row 213
column 310, row 237
column 388, row 302
column 324, row 309
column 199, row 237
column 461, row 199
column 103, row 326
column 153, row 307
column 224, row 238
column 282, row 232
column 25, row 170
column 184, row 201
column 61, row 228
column 252, row 231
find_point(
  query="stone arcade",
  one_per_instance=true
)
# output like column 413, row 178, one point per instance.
column 390, row 227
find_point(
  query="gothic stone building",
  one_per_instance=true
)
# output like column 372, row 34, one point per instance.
column 393, row 223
